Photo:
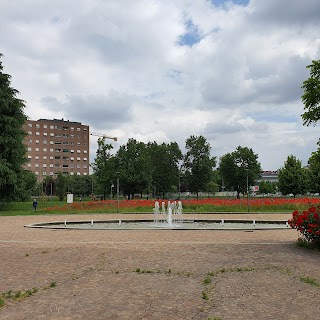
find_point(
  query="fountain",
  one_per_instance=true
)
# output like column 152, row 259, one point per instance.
column 168, row 217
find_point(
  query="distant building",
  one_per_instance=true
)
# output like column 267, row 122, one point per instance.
column 55, row 146
column 271, row 176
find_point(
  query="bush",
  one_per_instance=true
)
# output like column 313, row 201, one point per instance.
column 308, row 224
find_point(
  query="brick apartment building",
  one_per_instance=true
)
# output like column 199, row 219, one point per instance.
column 57, row 146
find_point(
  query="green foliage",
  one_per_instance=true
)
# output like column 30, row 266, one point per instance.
column 266, row 187
column 104, row 167
column 310, row 281
column 198, row 164
column 12, row 148
column 292, row 177
column 311, row 96
column 164, row 165
column 313, row 172
column 61, row 185
column 134, row 167
column 237, row 167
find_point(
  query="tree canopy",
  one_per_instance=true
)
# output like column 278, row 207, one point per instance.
column 292, row 177
column 311, row 96
column 238, row 166
column 12, row 148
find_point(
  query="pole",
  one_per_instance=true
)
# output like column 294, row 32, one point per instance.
column 248, row 200
column 117, row 192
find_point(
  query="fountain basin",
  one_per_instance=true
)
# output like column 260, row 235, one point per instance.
column 127, row 224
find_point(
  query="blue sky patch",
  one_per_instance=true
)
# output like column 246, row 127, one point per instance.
column 221, row 3
column 191, row 37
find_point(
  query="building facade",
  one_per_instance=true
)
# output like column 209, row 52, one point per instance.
column 55, row 146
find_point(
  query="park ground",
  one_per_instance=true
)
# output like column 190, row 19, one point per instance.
column 155, row 274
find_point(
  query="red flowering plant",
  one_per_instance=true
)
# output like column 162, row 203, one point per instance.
column 308, row 224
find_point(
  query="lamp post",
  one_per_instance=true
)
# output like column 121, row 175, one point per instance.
column 112, row 186
column 117, row 192
column 248, row 198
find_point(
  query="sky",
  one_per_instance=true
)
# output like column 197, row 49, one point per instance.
column 163, row 70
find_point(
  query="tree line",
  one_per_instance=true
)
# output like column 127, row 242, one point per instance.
column 152, row 168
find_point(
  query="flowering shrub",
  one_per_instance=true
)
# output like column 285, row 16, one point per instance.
column 308, row 224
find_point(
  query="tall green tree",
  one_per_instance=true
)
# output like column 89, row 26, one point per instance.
column 12, row 148
column 134, row 167
column 239, row 167
column 292, row 177
column 266, row 187
column 104, row 167
column 313, row 172
column 165, row 160
column 311, row 95
column 198, row 164
column 61, row 185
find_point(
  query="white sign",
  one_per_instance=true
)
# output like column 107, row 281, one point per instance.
column 69, row 198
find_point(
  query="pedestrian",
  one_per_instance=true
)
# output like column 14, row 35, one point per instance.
column 35, row 204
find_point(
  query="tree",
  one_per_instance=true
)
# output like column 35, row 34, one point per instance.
column 292, row 177
column 267, row 187
column 61, row 185
column 12, row 148
column 239, row 168
column 134, row 167
column 104, row 167
column 198, row 164
column 311, row 96
column 313, row 172
column 164, row 165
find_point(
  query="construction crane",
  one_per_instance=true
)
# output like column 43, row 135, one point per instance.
column 97, row 134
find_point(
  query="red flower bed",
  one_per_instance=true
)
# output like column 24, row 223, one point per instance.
column 308, row 224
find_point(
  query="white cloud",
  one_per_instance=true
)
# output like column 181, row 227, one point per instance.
column 118, row 66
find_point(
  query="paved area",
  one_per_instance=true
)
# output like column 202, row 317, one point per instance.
column 155, row 274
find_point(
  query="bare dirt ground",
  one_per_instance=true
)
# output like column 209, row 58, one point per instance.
column 155, row 274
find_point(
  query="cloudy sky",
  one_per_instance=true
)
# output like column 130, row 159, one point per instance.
column 162, row 70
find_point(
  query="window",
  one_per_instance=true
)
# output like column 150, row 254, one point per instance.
column 78, row 151
column 37, row 173
column 44, row 141
column 51, row 134
column 78, row 143
column 65, row 128
column 44, row 165
column 37, row 141
column 78, row 158
column 71, row 143
column 78, row 166
column 71, row 135
column 84, row 159
column 85, row 166
column 58, row 127
column 71, row 165
column 65, row 150
column 85, row 129
column 72, row 151
column 29, row 149
column 44, row 149
column 65, row 166
column 85, row 144
column 84, row 173
column 78, row 173
column 51, row 142
column 65, row 158
column 51, row 157
column 51, row 173
column 57, row 142
column 29, row 164
column 51, row 165
column 45, row 133
column 36, row 157
column 29, row 133
column 85, row 151
column 78, row 129
column 30, row 125
column 51, row 150
column 57, row 165
column 58, row 135
column 72, row 128
column 57, row 150
column 45, row 126
column 44, row 157
column 37, row 126
column 72, row 173
column 37, row 149
column 72, row 158
column 51, row 127
column 65, row 135
column 65, row 143
column 44, row 173
column 57, row 157
column 37, row 165
column 29, row 157
column 37, row 133
column 30, row 141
